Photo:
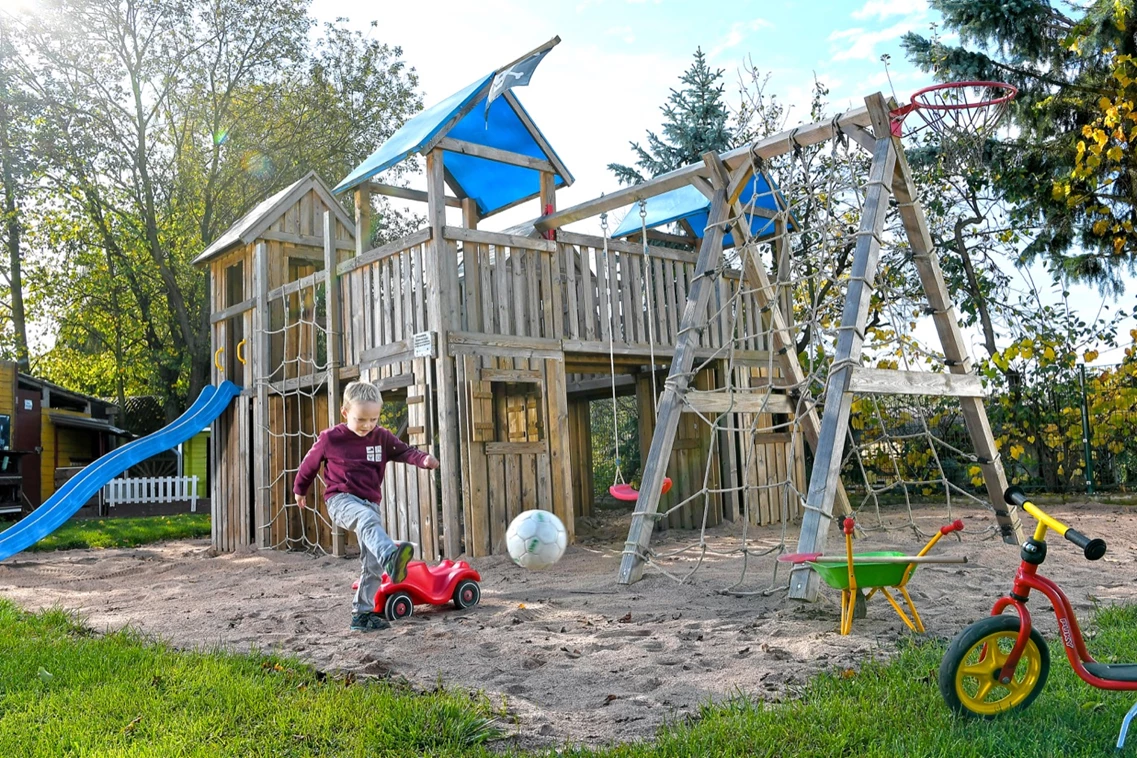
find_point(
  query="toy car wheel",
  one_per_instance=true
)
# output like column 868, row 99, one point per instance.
column 399, row 606
column 467, row 594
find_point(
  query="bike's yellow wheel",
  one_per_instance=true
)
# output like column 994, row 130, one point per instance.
column 969, row 672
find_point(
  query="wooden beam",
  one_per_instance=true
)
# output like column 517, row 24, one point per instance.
column 334, row 330
column 826, row 476
column 306, row 240
column 498, row 238
column 384, row 355
column 717, row 403
column 785, row 348
column 302, row 283
column 599, row 388
column 406, row 193
column 467, row 343
column 767, row 148
column 516, row 448
column 262, row 441
column 362, row 217
column 892, row 382
column 671, row 402
column 442, row 283
column 509, row 375
column 623, row 246
column 385, row 251
column 955, row 347
column 495, row 154
column 233, row 310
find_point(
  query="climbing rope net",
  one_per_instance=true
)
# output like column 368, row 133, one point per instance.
column 296, row 389
column 902, row 455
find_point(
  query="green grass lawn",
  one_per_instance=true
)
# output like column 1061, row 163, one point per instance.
column 66, row 691
column 124, row 532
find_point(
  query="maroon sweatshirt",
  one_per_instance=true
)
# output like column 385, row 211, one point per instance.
column 353, row 464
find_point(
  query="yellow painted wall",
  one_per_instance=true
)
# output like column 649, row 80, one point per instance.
column 8, row 391
column 76, row 447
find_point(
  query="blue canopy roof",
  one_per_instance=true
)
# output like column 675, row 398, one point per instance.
column 491, row 184
column 690, row 205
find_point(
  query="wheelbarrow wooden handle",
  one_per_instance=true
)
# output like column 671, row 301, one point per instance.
column 865, row 559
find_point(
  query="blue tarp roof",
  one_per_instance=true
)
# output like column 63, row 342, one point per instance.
column 690, row 205
column 491, row 184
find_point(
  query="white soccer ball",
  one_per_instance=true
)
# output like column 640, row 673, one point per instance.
column 536, row 539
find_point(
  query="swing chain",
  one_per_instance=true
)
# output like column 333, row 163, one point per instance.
column 618, row 478
column 650, row 310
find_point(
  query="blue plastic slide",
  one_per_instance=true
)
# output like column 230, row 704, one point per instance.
column 80, row 488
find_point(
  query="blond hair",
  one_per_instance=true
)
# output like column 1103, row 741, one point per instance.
column 361, row 392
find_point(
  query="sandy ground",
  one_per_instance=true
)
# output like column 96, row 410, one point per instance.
column 574, row 656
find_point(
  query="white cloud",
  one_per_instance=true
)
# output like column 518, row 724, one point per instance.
column 625, row 33
column 739, row 31
column 885, row 8
column 864, row 43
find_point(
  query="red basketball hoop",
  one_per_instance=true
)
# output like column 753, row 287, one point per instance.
column 964, row 114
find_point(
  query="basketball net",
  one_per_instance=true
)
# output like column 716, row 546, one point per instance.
column 964, row 115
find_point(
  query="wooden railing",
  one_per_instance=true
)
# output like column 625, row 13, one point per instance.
column 383, row 300
column 568, row 290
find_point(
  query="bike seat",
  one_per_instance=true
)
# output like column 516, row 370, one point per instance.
column 1115, row 672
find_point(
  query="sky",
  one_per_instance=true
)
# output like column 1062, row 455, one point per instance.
column 602, row 86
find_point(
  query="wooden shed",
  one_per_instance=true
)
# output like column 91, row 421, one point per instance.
column 49, row 432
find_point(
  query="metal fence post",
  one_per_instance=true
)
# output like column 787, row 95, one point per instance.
column 1086, row 450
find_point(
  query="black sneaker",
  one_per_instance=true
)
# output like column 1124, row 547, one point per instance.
column 396, row 563
column 368, row 622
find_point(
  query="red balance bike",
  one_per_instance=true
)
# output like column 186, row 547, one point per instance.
column 1000, row 664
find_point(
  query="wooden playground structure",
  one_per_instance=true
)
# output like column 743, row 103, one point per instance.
column 494, row 343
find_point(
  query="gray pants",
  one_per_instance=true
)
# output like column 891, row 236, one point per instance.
column 362, row 517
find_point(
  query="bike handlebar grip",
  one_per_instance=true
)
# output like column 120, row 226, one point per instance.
column 1015, row 496
column 849, row 524
column 1093, row 549
column 955, row 526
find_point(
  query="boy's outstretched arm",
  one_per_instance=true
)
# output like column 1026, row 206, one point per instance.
column 401, row 452
column 309, row 467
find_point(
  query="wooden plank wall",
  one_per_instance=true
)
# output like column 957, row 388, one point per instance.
column 513, row 411
column 291, row 254
column 384, row 304
column 580, row 445
column 8, row 373
column 645, row 294
column 523, row 445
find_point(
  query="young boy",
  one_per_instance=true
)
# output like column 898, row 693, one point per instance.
column 354, row 455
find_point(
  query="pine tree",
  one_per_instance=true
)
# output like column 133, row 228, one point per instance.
column 1068, row 172
column 695, row 120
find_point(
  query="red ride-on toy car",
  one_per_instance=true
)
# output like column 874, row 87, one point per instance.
column 434, row 585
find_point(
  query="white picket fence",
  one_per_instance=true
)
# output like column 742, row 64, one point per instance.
column 152, row 489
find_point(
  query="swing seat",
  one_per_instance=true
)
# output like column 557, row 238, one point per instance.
column 625, row 491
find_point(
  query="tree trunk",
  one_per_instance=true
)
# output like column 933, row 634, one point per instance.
column 12, row 229
column 973, row 285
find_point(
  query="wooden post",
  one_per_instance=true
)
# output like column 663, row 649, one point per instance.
column 955, row 347
column 442, row 283
column 334, row 330
column 671, row 402
column 826, row 476
column 470, row 216
column 782, row 338
column 362, row 218
column 261, row 375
